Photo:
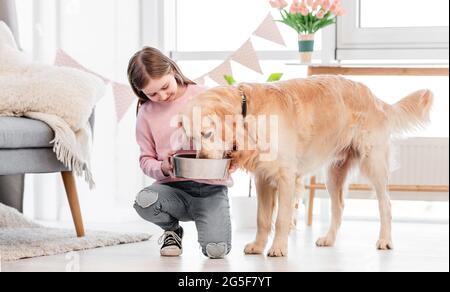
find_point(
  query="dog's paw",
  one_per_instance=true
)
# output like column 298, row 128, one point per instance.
column 325, row 241
column 254, row 248
column 385, row 244
column 278, row 251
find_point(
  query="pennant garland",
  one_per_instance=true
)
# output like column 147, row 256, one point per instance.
column 123, row 94
column 200, row 80
column 245, row 55
column 124, row 97
column 63, row 59
column 222, row 70
column 269, row 30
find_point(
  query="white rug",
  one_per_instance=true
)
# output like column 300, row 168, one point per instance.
column 20, row 238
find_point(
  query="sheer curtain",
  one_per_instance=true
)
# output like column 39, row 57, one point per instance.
column 102, row 35
column 8, row 15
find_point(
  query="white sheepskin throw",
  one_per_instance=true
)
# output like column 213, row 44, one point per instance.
column 63, row 98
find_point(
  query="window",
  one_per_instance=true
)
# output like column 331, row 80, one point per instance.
column 430, row 13
column 401, row 29
column 217, row 28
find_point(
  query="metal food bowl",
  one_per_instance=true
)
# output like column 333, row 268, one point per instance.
column 190, row 167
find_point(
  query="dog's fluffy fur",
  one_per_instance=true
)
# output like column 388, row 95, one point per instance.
column 323, row 121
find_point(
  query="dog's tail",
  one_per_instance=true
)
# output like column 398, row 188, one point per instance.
column 412, row 112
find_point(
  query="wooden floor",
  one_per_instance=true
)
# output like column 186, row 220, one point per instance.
column 419, row 247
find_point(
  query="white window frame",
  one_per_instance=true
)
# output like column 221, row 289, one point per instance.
column 159, row 29
column 355, row 42
column 158, row 24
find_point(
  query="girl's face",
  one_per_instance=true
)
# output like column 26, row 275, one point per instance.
column 162, row 90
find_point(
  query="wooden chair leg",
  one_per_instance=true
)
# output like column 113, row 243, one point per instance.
column 72, row 196
column 312, row 193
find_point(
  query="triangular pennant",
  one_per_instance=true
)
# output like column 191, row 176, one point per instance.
column 219, row 73
column 269, row 31
column 63, row 59
column 123, row 97
column 247, row 57
column 200, row 80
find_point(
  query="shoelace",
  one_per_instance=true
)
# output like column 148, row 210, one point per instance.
column 170, row 238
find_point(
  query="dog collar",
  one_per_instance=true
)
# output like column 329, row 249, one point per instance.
column 244, row 102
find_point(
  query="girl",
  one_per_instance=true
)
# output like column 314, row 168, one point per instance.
column 162, row 91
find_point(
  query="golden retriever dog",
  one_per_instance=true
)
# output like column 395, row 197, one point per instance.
column 325, row 121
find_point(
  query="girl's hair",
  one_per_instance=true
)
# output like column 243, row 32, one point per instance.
column 150, row 63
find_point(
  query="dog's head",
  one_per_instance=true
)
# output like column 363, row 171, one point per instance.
column 210, row 119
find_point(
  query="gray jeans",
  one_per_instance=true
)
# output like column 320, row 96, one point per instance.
column 207, row 205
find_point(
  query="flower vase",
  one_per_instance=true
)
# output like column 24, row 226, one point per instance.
column 306, row 47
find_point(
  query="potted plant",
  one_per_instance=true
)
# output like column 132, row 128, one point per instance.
column 307, row 17
column 272, row 78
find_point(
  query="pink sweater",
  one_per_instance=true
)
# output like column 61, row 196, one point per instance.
column 154, row 134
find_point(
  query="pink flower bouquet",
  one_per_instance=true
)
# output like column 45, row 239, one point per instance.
column 308, row 16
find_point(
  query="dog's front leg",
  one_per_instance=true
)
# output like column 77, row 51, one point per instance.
column 266, row 205
column 286, row 198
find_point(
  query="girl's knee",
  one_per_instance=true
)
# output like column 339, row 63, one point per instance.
column 215, row 250
column 146, row 198
column 145, row 203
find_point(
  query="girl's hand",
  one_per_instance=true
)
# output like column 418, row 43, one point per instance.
column 232, row 168
column 166, row 166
